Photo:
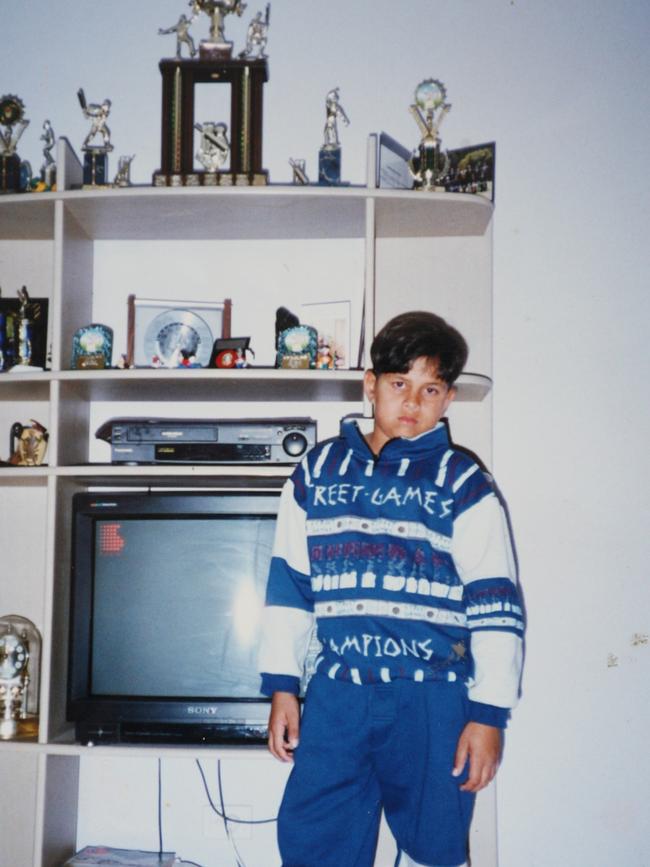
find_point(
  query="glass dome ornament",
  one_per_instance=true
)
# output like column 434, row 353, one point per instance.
column 20, row 657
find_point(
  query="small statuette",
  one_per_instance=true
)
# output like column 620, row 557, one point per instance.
column 96, row 154
column 299, row 173
column 48, row 169
column 28, row 444
column 329, row 158
column 257, row 36
column 428, row 164
column 15, row 174
column 214, row 147
column 123, row 176
column 182, row 31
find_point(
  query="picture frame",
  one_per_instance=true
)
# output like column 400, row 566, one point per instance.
column 331, row 319
column 172, row 333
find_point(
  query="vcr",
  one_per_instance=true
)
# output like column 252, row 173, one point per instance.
column 208, row 441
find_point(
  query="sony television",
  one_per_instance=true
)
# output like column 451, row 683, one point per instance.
column 166, row 600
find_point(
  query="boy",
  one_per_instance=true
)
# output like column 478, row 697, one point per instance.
column 397, row 546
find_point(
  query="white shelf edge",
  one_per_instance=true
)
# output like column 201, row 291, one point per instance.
column 190, row 751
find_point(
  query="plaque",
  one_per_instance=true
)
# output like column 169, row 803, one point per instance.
column 297, row 347
column 92, row 347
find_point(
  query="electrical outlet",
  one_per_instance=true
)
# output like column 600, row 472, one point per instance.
column 213, row 826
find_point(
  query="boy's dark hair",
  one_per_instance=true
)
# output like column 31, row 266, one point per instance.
column 417, row 334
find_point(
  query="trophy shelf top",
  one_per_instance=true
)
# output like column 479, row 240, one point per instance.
column 274, row 211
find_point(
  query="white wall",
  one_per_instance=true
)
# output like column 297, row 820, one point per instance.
column 563, row 89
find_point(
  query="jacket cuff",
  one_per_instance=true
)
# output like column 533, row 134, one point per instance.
column 488, row 714
column 280, row 683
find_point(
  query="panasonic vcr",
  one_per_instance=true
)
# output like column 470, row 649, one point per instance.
column 208, row 441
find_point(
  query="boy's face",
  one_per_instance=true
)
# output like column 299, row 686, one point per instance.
column 406, row 404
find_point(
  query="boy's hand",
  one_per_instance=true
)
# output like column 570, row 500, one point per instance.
column 480, row 744
column 284, row 725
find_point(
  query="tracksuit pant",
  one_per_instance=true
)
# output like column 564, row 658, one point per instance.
column 364, row 748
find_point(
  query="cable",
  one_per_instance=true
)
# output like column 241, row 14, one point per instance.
column 160, row 831
column 222, row 814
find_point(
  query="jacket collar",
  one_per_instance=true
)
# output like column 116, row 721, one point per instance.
column 352, row 431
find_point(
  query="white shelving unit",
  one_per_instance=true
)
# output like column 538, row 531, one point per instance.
column 86, row 251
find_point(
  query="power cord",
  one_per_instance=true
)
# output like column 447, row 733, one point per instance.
column 227, row 820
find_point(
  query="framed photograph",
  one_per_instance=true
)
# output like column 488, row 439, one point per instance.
column 331, row 319
column 164, row 333
column 9, row 338
column 471, row 170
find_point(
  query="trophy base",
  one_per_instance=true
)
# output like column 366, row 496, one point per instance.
column 329, row 166
column 210, row 50
column 10, row 174
column 95, row 171
column 211, row 179
column 23, row 729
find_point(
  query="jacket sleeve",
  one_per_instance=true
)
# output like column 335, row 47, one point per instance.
column 288, row 617
column 484, row 559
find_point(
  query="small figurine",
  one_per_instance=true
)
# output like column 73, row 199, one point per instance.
column 28, row 444
column 48, row 169
column 257, row 36
column 123, row 176
column 182, row 31
column 299, row 173
column 214, row 146
column 98, row 115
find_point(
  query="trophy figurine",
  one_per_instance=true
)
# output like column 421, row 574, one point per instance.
column 257, row 36
column 96, row 155
column 48, row 169
column 182, row 31
column 214, row 147
column 329, row 156
column 20, row 653
column 13, row 172
column 217, row 47
column 428, row 165
column 123, row 176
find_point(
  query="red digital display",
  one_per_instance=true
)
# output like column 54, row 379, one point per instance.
column 111, row 540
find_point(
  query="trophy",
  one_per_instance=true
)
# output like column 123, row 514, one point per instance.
column 14, row 173
column 218, row 159
column 20, row 652
column 299, row 173
column 123, row 176
column 24, row 334
column 95, row 173
column 428, row 165
column 329, row 156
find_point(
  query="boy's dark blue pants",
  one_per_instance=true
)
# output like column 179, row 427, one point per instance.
column 389, row 745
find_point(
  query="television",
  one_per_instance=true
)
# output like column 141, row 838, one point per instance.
column 167, row 593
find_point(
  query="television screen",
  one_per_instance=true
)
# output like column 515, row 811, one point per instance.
column 177, row 605
column 166, row 603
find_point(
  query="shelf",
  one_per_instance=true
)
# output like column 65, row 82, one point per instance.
column 244, row 213
column 186, row 751
column 179, row 475
column 196, row 384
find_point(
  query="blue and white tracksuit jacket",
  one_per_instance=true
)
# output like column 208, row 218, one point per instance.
column 404, row 563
